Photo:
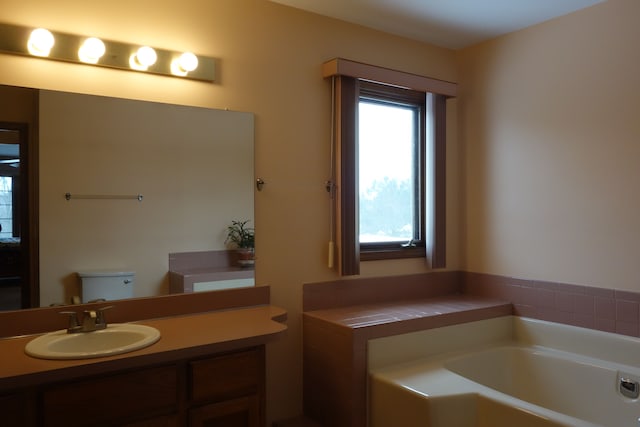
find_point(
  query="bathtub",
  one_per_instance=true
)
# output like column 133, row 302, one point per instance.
column 504, row 372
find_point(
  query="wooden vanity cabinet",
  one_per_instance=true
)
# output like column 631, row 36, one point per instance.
column 110, row 399
column 235, row 383
column 17, row 409
column 240, row 412
column 213, row 391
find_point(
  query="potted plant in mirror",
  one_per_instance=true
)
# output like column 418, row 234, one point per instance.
column 242, row 238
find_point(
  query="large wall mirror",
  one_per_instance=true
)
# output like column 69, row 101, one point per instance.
column 192, row 166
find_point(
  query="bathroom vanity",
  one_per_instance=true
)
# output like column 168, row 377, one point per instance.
column 207, row 369
column 220, row 389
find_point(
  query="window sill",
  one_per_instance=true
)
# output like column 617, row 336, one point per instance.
column 373, row 255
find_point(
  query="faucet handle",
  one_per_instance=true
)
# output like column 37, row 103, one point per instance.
column 73, row 319
column 101, row 319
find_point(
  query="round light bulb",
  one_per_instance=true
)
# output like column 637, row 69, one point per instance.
column 40, row 42
column 188, row 62
column 91, row 50
column 146, row 56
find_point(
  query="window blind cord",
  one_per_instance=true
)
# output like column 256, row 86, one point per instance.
column 330, row 183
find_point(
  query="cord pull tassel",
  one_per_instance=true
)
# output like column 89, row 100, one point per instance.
column 331, row 254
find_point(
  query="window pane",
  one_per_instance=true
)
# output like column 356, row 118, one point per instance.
column 6, row 207
column 386, row 172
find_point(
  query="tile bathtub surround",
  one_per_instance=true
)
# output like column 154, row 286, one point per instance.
column 340, row 317
column 186, row 269
column 335, row 348
column 372, row 290
column 602, row 309
column 201, row 259
column 589, row 307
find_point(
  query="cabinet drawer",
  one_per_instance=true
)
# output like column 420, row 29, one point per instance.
column 166, row 421
column 227, row 376
column 104, row 400
column 241, row 412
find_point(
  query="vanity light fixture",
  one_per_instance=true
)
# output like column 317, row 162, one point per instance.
column 48, row 44
column 144, row 58
column 91, row 51
column 184, row 64
column 40, row 42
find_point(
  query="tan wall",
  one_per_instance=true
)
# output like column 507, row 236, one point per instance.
column 270, row 58
column 23, row 107
column 549, row 121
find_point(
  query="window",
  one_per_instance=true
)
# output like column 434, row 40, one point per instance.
column 391, row 143
column 6, row 207
column 9, row 182
column 389, row 130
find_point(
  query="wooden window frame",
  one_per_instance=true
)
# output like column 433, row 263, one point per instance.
column 418, row 101
column 347, row 75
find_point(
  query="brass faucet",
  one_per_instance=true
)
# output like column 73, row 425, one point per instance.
column 92, row 320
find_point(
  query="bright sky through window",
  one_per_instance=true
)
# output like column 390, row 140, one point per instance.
column 6, row 208
column 386, row 165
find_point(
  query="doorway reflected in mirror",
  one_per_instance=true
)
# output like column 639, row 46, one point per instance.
column 14, row 277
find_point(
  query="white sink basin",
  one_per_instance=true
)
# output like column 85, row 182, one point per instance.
column 115, row 339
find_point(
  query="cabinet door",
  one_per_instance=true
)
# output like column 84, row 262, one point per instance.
column 228, row 376
column 242, row 412
column 115, row 399
column 16, row 410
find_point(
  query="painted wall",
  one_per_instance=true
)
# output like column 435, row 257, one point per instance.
column 549, row 121
column 270, row 59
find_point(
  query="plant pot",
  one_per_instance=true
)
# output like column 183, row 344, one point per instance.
column 246, row 257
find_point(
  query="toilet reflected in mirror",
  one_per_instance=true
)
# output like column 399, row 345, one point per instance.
column 106, row 285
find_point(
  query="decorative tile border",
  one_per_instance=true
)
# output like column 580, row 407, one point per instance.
column 379, row 289
column 588, row 307
column 602, row 309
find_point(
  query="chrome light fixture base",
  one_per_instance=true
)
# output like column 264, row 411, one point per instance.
column 14, row 39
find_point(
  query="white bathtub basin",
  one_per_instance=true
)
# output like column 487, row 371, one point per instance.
column 563, row 382
column 532, row 373
column 115, row 339
column 394, row 407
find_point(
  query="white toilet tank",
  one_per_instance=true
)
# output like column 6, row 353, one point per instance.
column 108, row 285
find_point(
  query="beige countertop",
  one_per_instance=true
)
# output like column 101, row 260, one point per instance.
column 183, row 336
